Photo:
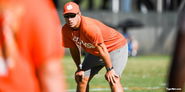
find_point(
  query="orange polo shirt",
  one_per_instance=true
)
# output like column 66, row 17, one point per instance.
column 91, row 33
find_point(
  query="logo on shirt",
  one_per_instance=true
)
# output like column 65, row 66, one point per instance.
column 81, row 42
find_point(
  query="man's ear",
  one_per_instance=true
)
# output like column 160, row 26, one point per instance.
column 80, row 13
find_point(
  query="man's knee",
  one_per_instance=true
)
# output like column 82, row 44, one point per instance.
column 82, row 81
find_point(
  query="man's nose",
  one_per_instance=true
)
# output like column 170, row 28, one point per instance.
column 69, row 18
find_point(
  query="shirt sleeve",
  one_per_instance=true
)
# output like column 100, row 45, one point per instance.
column 95, row 35
column 66, row 39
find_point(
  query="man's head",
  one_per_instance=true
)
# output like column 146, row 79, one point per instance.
column 72, row 14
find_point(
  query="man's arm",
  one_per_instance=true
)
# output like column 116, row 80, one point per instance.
column 76, row 56
column 104, row 55
column 79, row 74
column 110, row 74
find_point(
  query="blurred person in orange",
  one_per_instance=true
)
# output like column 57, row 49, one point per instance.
column 30, row 47
column 104, row 47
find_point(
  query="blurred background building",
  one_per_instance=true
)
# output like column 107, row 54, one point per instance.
column 152, row 23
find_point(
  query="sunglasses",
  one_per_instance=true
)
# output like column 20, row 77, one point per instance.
column 70, row 15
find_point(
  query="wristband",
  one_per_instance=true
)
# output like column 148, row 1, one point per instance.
column 80, row 66
column 110, row 68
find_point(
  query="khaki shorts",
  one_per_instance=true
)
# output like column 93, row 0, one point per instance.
column 93, row 64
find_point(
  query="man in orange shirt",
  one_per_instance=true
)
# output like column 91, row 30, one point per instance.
column 104, row 46
column 30, row 51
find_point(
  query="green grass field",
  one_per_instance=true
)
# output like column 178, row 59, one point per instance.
column 142, row 74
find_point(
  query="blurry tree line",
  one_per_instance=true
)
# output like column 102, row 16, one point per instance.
column 124, row 5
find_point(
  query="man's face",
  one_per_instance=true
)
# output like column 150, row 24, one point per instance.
column 72, row 19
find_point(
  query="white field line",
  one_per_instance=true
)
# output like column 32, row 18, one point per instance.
column 130, row 88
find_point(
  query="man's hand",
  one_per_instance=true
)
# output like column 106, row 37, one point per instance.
column 79, row 75
column 111, row 76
